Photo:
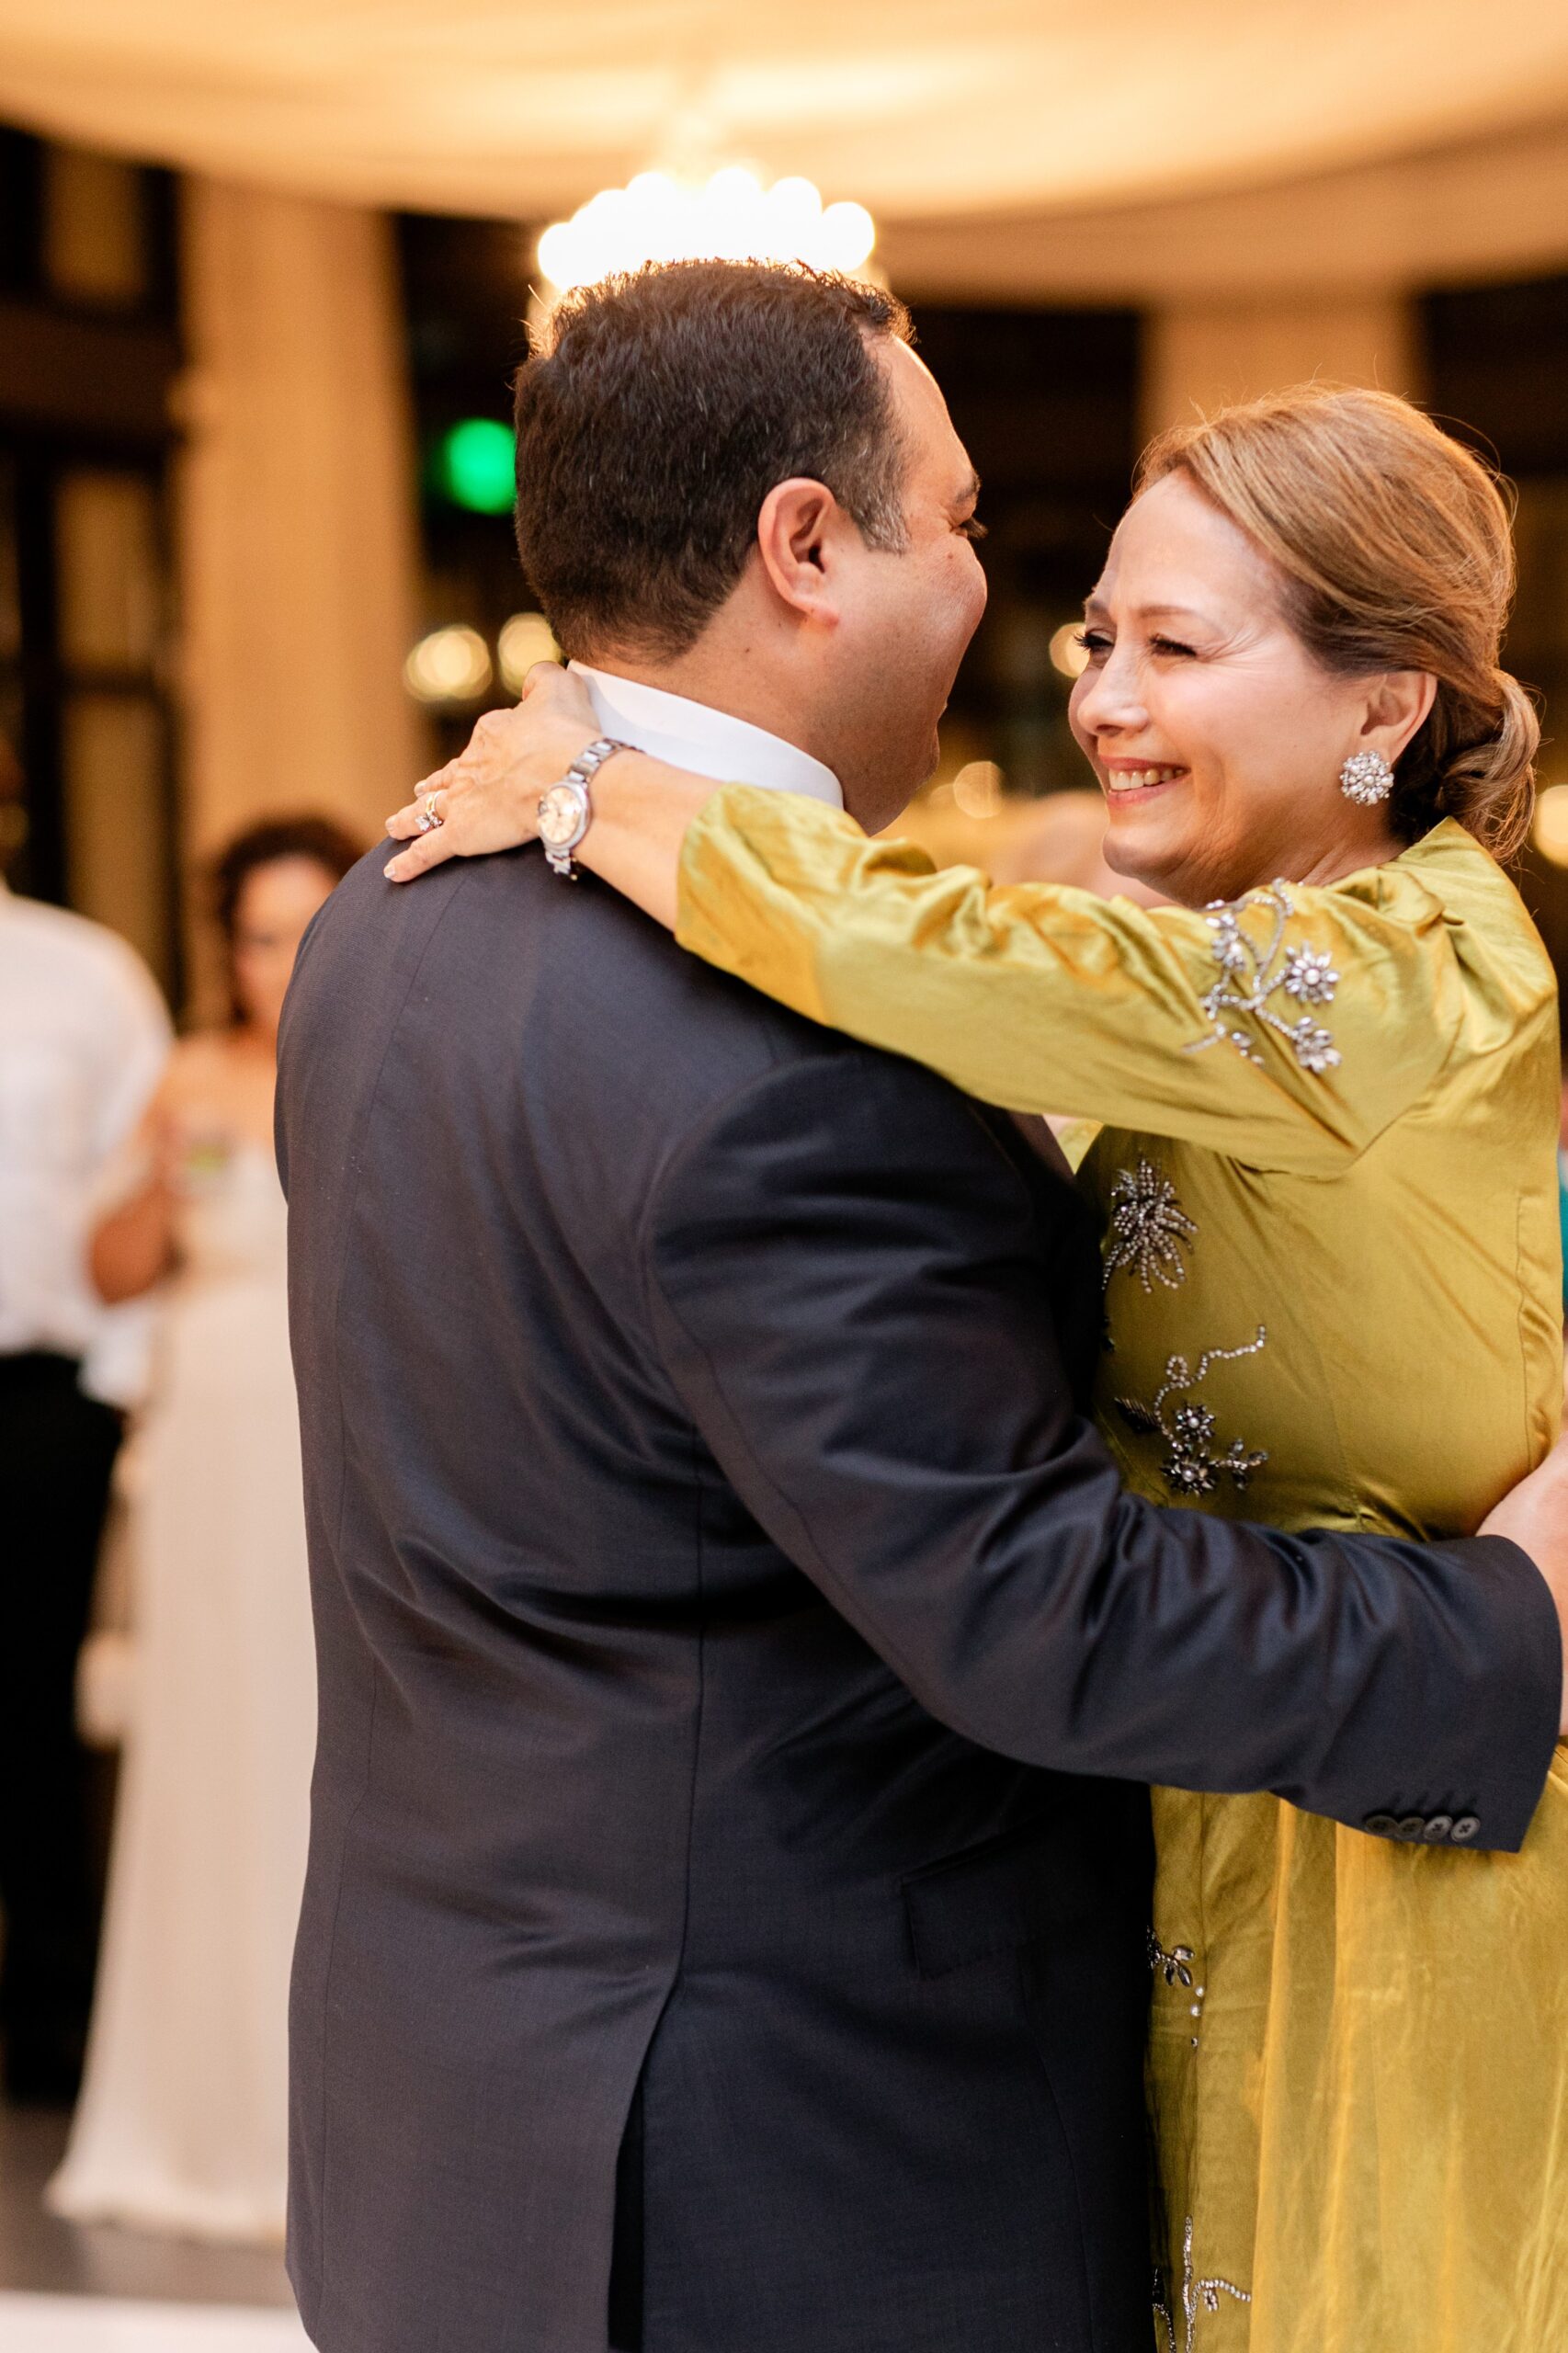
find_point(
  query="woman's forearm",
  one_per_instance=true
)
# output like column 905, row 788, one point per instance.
column 133, row 1247
column 641, row 809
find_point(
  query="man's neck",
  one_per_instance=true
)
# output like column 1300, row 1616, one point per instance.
column 728, row 678
column 709, row 738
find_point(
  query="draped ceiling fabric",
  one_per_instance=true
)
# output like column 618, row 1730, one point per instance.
column 1490, row 207
column 922, row 109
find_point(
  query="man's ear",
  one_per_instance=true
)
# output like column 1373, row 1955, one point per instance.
column 799, row 531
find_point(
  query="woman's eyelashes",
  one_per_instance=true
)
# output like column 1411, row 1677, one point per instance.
column 1096, row 644
column 971, row 528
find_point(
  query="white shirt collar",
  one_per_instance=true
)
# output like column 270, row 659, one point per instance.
column 694, row 736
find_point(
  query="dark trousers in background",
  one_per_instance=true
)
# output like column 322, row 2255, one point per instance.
column 57, row 1450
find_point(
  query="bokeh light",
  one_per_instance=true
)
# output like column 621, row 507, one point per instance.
column 475, row 465
column 731, row 217
column 525, row 639
column 977, row 789
column 1552, row 823
column 1066, row 654
column 451, row 664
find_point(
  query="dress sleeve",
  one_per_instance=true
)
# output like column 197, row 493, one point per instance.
column 1287, row 1030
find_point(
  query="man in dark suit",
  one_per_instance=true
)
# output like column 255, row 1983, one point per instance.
column 725, row 1922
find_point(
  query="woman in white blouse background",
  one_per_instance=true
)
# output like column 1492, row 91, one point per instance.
column 182, row 2125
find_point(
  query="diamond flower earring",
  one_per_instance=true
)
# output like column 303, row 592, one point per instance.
column 1366, row 778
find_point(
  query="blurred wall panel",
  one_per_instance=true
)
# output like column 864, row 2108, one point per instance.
column 297, row 513
column 111, row 640
column 113, row 757
column 95, row 245
column 110, row 589
column 1202, row 355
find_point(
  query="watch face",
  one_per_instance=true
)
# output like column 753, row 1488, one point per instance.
column 560, row 814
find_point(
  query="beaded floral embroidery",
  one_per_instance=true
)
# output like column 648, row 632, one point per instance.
column 1252, row 977
column 1194, row 1458
column 1148, row 1229
column 1175, row 1968
column 1173, row 1965
column 1148, row 1234
column 1196, row 2295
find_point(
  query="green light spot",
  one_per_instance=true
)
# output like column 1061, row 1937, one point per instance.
column 474, row 465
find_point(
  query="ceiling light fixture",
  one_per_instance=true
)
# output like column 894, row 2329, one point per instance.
column 731, row 217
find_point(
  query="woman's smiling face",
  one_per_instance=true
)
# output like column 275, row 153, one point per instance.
column 1216, row 736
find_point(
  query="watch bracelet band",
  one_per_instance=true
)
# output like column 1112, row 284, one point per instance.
column 581, row 773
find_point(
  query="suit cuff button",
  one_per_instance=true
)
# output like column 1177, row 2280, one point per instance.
column 1464, row 1829
column 1381, row 1826
column 1411, row 1827
column 1439, row 1830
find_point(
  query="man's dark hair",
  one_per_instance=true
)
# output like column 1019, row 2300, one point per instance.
column 659, row 410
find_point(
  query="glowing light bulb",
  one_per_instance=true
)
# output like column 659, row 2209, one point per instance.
column 557, row 250
column 659, row 208
column 846, row 235
column 796, row 209
column 731, row 218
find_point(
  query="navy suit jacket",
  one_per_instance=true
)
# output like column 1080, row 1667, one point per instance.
column 739, row 1666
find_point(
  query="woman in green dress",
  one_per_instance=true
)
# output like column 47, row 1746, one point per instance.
column 1325, row 1178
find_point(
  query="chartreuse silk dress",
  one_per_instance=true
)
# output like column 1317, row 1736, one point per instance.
column 1327, row 1190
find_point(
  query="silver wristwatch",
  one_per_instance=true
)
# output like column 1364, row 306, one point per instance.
column 565, row 811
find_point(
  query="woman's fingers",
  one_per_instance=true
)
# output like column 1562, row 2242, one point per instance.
column 487, row 799
column 436, row 824
column 413, row 817
column 549, row 688
column 404, row 823
column 429, row 849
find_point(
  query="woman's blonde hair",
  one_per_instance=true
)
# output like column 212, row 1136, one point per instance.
column 1397, row 553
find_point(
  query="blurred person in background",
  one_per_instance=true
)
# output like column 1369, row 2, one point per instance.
column 84, row 1037
column 182, row 2122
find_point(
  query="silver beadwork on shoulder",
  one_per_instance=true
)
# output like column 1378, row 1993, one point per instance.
column 1194, row 1458
column 1148, row 1229
column 1251, row 976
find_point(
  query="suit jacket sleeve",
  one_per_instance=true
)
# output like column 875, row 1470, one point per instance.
column 849, row 1281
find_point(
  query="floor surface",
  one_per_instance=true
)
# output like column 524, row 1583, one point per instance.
column 69, row 2289
column 104, row 2324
